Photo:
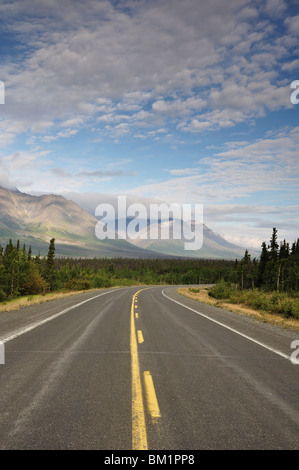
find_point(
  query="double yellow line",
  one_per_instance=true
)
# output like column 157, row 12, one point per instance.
column 139, row 435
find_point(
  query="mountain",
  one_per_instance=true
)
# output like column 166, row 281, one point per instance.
column 34, row 220
column 214, row 246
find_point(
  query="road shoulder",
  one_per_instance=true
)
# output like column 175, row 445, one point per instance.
column 273, row 336
column 15, row 321
column 262, row 316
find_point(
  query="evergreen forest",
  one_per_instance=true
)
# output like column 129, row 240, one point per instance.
column 24, row 273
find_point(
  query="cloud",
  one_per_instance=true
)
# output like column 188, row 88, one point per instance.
column 20, row 169
column 183, row 171
column 292, row 24
column 195, row 125
column 293, row 65
column 275, row 8
column 103, row 59
column 249, row 225
column 5, row 180
column 98, row 173
column 67, row 133
column 73, row 122
column 244, row 169
column 60, row 172
column 178, row 107
column 90, row 200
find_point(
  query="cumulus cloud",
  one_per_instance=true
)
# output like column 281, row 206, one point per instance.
column 241, row 170
column 179, row 60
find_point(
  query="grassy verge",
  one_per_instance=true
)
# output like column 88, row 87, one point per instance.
column 25, row 301
column 16, row 304
column 243, row 306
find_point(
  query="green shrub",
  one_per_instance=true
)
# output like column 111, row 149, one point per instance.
column 288, row 307
column 276, row 302
column 101, row 281
column 222, row 290
column 259, row 301
column 35, row 284
column 78, row 284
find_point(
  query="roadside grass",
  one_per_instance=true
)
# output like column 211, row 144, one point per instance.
column 27, row 300
column 16, row 304
column 241, row 306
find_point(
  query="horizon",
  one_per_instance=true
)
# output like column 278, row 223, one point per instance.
column 183, row 102
column 253, row 251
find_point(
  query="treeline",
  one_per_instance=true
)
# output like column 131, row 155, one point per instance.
column 269, row 284
column 277, row 269
column 24, row 273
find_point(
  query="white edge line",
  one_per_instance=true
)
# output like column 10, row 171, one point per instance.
column 46, row 320
column 231, row 329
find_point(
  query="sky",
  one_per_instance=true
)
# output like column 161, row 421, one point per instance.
column 179, row 101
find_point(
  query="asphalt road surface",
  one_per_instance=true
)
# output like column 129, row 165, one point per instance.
column 145, row 368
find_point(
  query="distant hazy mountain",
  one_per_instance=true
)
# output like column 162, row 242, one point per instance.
column 214, row 246
column 34, row 220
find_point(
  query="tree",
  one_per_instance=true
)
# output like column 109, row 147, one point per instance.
column 264, row 258
column 283, row 265
column 35, row 284
column 29, row 254
column 49, row 273
column 272, row 270
column 11, row 269
column 245, row 270
column 273, row 247
column 51, row 255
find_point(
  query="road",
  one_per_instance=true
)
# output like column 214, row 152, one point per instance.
column 145, row 368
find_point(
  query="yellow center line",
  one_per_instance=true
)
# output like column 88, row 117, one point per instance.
column 139, row 436
column 151, row 398
column 140, row 336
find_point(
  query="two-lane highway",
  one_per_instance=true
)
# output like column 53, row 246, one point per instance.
column 144, row 368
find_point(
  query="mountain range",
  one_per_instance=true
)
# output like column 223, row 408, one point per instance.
column 214, row 246
column 34, row 220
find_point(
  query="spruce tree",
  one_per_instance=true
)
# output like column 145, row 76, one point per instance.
column 11, row 268
column 51, row 255
column 29, row 253
column 273, row 247
column 264, row 258
column 272, row 271
column 49, row 274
